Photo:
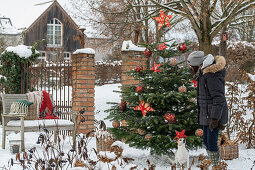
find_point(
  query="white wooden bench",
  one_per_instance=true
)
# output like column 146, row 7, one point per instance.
column 11, row 123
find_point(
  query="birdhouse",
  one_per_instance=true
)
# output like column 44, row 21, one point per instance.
column 224, row 36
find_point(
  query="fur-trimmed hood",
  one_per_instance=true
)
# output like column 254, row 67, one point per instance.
column 219, row 64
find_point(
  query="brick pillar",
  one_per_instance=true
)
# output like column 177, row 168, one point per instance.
column 130, row 60
column 83, row 89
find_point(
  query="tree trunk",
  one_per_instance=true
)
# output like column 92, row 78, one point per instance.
column 223, row 44
column 205, row 45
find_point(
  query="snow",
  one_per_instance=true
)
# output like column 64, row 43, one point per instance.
column 84, row 51
column 3, row 77
column 252, row 77
column 21, row 50
column 119, row 144
column 104, row 94
column 129, row 46
column 36, row 123
column 107, row 154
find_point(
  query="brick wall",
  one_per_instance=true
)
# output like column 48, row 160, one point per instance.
column 130, row 60
column 83, row 90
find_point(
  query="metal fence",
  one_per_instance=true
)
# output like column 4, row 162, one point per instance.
column 56, row 79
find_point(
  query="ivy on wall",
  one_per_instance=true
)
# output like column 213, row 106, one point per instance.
column 15, row 78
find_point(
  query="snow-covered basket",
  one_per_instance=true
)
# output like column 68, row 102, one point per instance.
column 117, row 148
column 15, row 145
column 104, row 139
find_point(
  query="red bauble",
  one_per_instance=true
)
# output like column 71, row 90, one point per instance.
column 147, row 52
column 182, row 47
column 170, row 118
column 172, row 61
column 139, row 89
column 199, row 132
column 123, row 105
column 182, row 89
column 139, row 68
column 116, row 124
column 148, row 136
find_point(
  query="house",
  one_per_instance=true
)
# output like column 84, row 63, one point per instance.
column 56, row 34
column 9, row 35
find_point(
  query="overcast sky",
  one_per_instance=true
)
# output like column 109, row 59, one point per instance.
column 24, row 12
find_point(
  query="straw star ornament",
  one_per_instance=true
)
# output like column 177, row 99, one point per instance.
column 163, row 19
column 144, row 107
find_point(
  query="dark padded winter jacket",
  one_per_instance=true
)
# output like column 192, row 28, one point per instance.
column 211, row 99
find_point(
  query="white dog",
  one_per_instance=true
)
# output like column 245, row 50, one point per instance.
column 182, row 154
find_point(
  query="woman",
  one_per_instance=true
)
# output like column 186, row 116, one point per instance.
column 209, row 72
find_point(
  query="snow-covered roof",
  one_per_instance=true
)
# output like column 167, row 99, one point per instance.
column 84, row 51
column 6, row 27
column 21, row 50
column 129, row 46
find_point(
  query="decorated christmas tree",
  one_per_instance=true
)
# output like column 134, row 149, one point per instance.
column 162, row 107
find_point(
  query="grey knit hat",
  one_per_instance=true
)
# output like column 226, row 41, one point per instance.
column 196, row 58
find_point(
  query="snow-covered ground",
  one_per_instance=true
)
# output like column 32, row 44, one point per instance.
column 103, row 95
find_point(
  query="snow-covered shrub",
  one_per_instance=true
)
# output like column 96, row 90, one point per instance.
column 14, row 60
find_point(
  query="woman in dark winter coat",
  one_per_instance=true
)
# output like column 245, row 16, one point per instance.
column 209, row 72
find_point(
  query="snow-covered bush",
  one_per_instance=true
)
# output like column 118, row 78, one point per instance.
column 14, row 60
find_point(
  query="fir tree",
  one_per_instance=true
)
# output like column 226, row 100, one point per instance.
column 168, row 92
column 162, row 107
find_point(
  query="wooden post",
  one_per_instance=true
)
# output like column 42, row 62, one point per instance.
column 4, row 133
column 22, row 135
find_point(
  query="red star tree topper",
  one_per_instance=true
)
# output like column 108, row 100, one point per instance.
column 180, row 134
column 144, row 107
column 163, row 19
column 155, row 68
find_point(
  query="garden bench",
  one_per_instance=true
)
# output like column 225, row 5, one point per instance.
column 17, row 122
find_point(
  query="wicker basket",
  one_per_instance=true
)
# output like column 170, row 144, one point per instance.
column 104, row 143
column 229, row 152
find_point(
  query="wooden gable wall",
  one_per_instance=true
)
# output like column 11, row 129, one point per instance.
column 38, row 30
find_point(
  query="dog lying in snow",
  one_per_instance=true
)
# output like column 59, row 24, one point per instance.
column 182, row 154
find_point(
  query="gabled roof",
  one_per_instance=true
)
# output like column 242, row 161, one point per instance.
column 55, row 3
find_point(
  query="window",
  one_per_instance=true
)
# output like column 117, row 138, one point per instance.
column 67, row 56
column 42, row 56
column 54, row 33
